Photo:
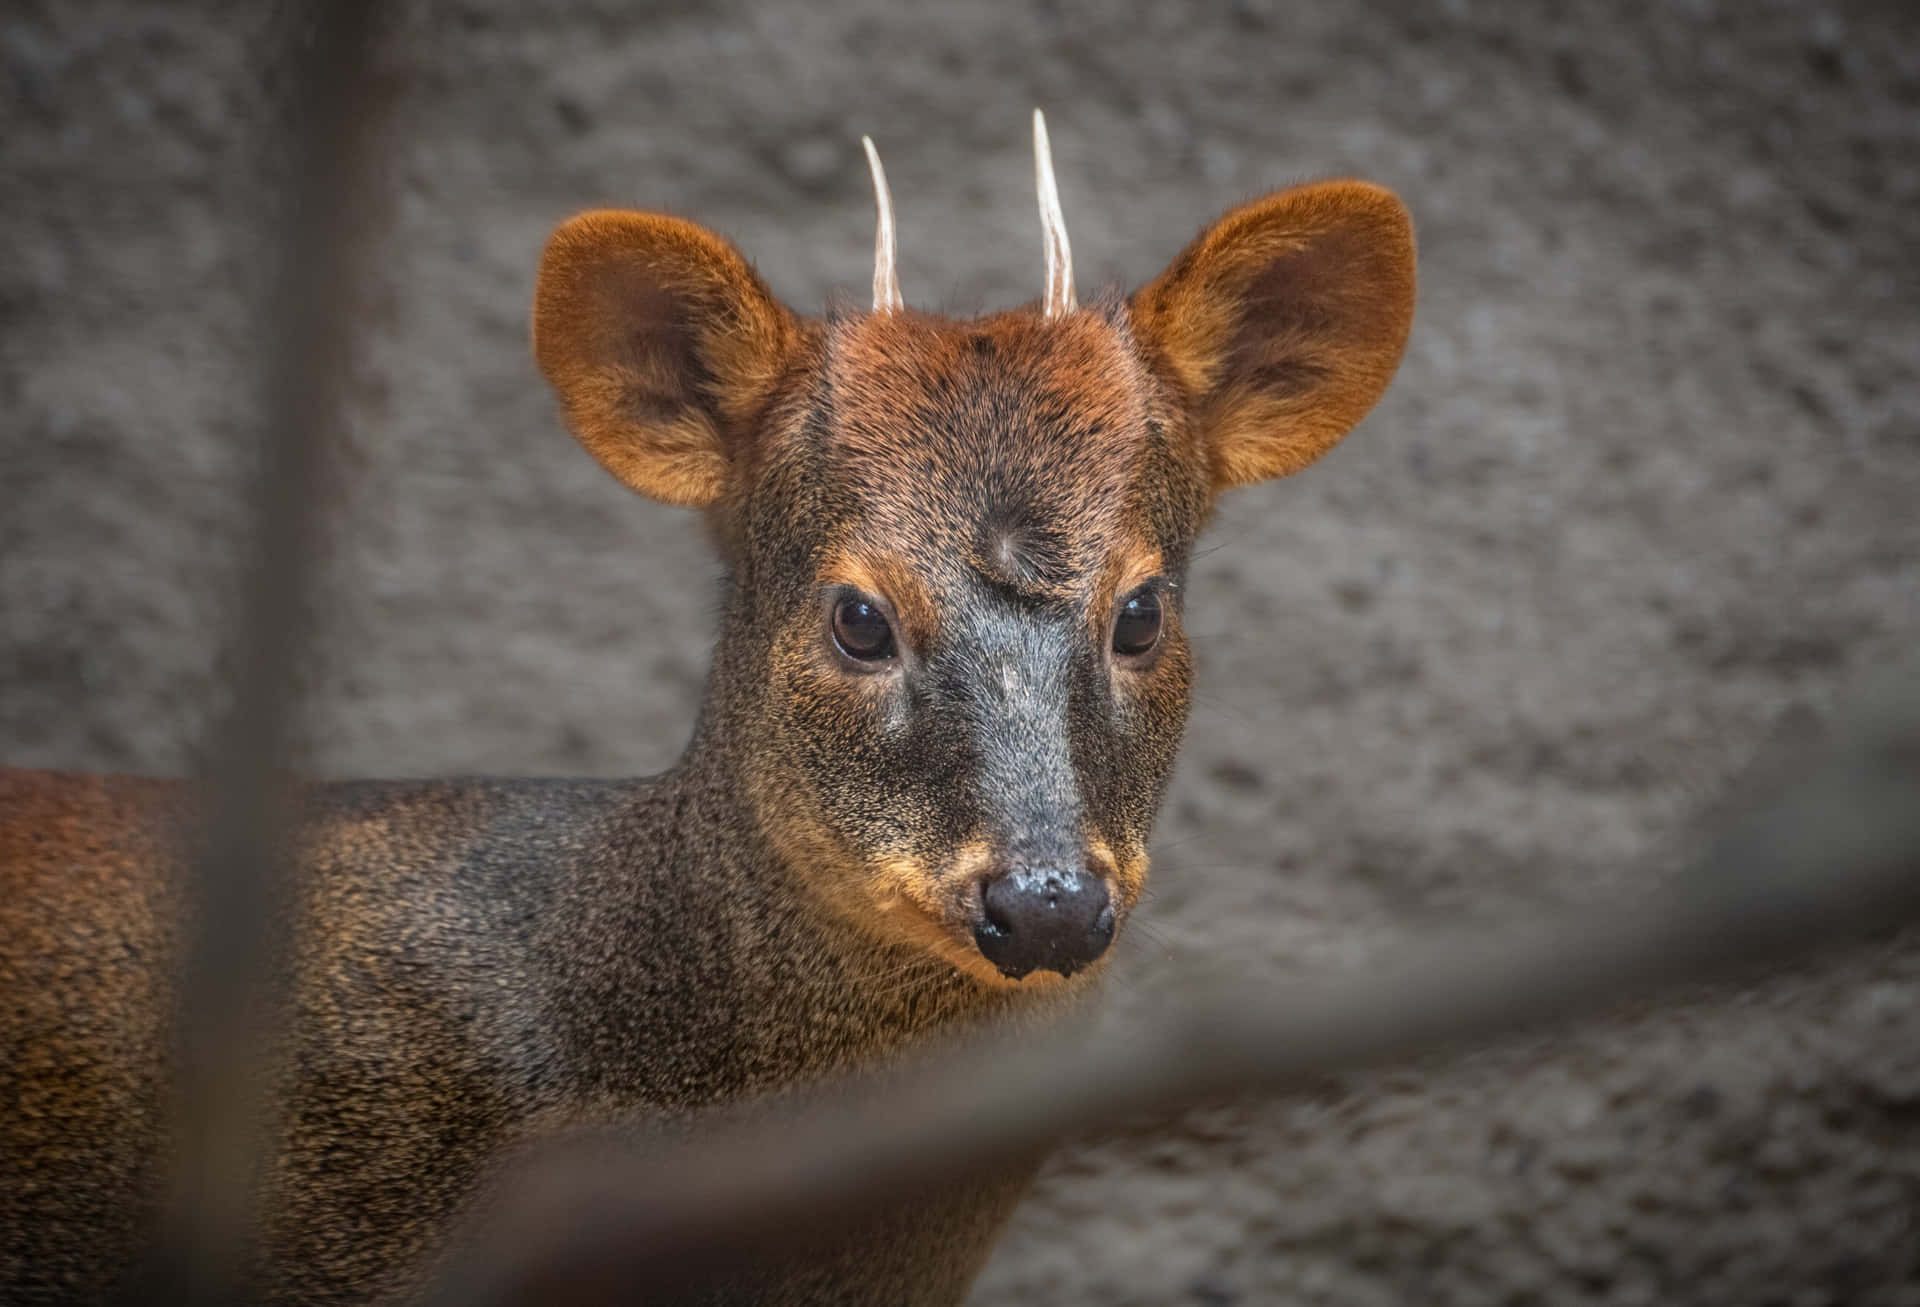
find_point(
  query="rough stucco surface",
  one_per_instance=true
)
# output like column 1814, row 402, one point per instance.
column 1649, row 480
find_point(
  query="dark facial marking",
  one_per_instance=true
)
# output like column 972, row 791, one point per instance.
column 1025, row 548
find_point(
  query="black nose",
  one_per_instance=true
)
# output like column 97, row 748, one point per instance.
column 1044, row 919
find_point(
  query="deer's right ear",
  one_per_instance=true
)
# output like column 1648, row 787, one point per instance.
column 663, row 344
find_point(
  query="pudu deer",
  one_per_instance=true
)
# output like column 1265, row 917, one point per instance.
column 950, row 681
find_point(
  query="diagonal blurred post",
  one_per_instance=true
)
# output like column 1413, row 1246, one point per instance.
column 231, row 982
column 1832, row 857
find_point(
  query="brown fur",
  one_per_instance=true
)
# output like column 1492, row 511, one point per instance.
column 482, row 961
column 84, row 1017
column 646, row 320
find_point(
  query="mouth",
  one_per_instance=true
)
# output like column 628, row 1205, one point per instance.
column 964, row 946
column 1020, row 926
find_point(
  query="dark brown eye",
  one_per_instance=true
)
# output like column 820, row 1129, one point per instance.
column 861, row 631
column 1137, row 627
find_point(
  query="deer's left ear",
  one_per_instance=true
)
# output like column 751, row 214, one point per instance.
column 1281, row 325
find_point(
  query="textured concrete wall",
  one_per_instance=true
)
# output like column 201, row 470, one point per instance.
column 1649, row 479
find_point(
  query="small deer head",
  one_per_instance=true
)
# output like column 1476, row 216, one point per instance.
column 954, row 669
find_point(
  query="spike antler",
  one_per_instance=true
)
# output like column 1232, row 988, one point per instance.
column 1053, row 225
column 886, row 271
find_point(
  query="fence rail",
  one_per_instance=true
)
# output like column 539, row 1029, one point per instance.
column 1829, row 858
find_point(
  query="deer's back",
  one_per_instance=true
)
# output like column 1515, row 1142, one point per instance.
column 417, row 1040
column 84, row 1011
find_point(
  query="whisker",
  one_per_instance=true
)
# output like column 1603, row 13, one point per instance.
column 1157, row 849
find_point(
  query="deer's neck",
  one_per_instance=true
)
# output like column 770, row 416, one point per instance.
column 694, row 964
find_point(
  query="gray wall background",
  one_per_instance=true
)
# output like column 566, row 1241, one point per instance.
column 1647, row 482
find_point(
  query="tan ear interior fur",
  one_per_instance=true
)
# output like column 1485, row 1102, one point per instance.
column 663, row 345
column 1283, row 322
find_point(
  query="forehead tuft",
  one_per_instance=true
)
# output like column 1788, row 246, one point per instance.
column 1012, row 442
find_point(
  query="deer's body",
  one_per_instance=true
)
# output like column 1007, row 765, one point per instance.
column 451, row 972
column 949, row 687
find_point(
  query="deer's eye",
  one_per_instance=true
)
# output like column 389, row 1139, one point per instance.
column 861, row 631
column 1136, row 628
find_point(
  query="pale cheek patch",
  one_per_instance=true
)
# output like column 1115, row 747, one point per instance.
column 1128, row 869
column 944, row 893
column 1131, row 879
column 932, row 908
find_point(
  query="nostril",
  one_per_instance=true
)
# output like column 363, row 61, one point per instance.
column 993, row 907
column 1103, row 925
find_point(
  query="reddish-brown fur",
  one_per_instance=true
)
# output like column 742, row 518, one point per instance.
column 1283, row 322
column 84, row 1016
column 478, row 961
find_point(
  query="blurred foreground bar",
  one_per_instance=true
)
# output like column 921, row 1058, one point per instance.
column 231, row 988
column 1828, row 856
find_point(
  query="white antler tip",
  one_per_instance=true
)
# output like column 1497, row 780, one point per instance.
column 886, row 272
column 1059, row 299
